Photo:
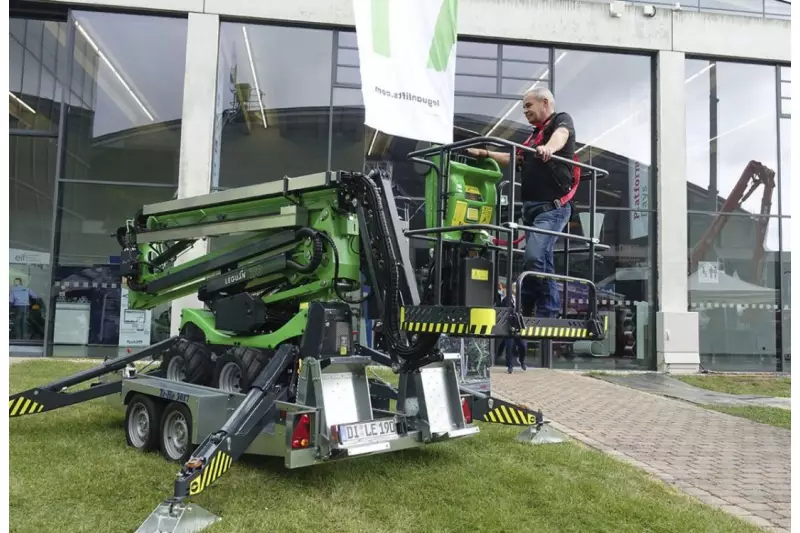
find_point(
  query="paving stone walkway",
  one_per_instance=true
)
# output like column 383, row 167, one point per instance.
column 658, row 383
column 732, row 463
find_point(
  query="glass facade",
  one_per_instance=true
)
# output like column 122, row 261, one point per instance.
column 95, row 117
column 618, row 137
column 738, row 159
column 37, row 67
column 120, row 98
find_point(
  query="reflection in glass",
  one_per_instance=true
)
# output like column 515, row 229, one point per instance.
column 31, row 181
column 785, row 178
column 617, row 135
column 623, row 275
column 347, row 130
column 734, row 278
column 126, row 98
column 479, row 70
column 273, row 105
column 730, row 121
column 86, row 296
column 786, row 291
column 37, row 63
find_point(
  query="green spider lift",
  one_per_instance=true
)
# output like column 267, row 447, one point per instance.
column 270, row 363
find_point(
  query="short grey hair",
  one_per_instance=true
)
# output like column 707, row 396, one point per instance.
column 540, row 93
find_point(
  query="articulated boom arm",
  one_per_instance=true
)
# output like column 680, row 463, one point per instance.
column 754, row 175
column 283, row 226
column 301, row 239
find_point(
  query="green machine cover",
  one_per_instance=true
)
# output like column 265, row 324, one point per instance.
column 472, row 198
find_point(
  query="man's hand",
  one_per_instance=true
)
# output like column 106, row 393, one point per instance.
column 477, row 152
column 544, row 152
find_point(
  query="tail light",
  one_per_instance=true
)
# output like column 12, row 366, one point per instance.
column 465, row 408
column 301, row 435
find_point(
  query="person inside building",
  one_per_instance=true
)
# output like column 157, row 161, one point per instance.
column 19, row 299
column 514, row 346
column 547, row 187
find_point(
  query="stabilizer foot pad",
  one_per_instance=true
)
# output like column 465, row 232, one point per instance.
column 545, row 434
column 174, row 517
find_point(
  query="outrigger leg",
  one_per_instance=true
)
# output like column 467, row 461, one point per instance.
column 217, row 452
column 54, row 395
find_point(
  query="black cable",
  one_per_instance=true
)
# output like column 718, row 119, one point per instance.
column 336, row 272
column 316, row 257
column 426, row 342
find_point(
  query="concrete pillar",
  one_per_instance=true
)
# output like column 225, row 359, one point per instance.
column 197, row 128
column 677, row 329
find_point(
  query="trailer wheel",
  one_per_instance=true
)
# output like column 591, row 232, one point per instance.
column 236, row 370
column 189, row 362
column 142, row 421
column 175, row 437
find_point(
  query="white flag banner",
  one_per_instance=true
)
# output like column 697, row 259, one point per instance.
column 407, row 52
column 639, row 195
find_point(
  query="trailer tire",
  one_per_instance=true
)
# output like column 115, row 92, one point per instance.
column 175, row 435
column 236, row 370
column 189, row 362
column 142, row 422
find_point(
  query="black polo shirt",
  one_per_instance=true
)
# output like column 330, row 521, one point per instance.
column 547, row 181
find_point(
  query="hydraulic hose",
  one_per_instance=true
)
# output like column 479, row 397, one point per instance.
column 316, row 257
column 336, row 278
column 425, row 343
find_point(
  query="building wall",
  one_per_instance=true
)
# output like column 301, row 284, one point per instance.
column 205, row 152
column 568, row 22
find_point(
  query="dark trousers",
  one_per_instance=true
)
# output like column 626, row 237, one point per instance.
column 515, row 347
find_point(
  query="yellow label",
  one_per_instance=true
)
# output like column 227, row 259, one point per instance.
column 472, row 214
column 482, row 317
column 472, row 190
column 486, row 215
column 459, row 213
column 480, row 274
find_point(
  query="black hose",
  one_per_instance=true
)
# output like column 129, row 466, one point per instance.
column 316, row 257
column 425, row 343
column 336, row 278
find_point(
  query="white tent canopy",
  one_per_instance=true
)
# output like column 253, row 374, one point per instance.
column 730, row 290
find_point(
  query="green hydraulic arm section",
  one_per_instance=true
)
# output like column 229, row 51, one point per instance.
column 288, row 243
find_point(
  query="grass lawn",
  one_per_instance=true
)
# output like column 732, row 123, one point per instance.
column 758, row 385
column 70, row 470
column 773, row 416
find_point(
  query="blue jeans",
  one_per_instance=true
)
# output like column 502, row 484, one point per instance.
column 538, row 293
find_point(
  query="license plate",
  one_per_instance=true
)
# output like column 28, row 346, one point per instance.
column 375, row 430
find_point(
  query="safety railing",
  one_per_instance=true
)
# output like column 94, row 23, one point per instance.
column 440, row 167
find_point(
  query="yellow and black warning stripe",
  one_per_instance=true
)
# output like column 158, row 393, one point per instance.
column 219, row 465
column 429, row 327
column 510, row 416
column 24, row 406
column 556, row 332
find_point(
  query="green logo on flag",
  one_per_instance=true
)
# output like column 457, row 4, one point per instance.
column 444, row 35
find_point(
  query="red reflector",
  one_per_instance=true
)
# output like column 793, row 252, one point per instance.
column 301, row 435
column 466, row 410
